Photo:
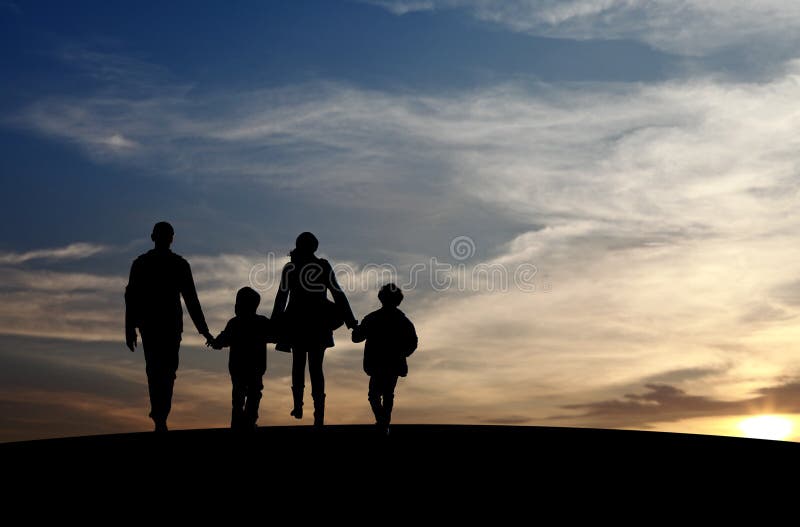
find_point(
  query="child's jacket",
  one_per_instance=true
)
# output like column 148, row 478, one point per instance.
column 390, row 337
column 247, row 336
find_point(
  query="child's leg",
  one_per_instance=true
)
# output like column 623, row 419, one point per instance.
column 254, row 387
column 237, row 401
column 375, row 398
column 389, row 384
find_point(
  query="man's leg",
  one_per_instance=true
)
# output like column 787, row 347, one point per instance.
column 161, row 359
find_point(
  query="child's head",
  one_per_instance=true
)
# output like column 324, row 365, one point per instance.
column 247, row 301
column 390, row 295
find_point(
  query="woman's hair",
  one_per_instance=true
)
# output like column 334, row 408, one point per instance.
column 306, row 242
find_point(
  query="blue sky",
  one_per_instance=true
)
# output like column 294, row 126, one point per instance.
column 641, row 155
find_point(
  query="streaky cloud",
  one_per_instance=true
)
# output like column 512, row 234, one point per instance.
column 665, row 403
column 688, row 27
column 73, row 251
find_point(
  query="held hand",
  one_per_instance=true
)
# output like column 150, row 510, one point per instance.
column 213, row 344
column 130, row 339
column 352, row 324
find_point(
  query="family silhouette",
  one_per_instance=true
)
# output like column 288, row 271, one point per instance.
column 302, row 323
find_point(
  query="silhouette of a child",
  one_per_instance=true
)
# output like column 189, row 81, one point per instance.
column 391, row 338
column 247, row 334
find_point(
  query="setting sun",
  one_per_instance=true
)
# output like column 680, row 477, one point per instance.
column 767, row 427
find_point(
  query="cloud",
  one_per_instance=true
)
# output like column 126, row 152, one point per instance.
column 89, row 306
column 73, row 251
column 665, row 403
column 403, row 7
column 637, row 164
column 655, row 215
column 690, row 27
column 119, row 142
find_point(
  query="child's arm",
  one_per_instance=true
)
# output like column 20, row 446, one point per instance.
column 361, row 330
column 269, row 331
column 223, row 340
column 411, row 336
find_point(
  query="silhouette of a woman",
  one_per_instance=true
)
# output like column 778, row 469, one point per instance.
column 306, row 320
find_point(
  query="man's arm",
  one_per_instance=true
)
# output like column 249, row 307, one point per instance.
column 132, row 306
column 189, row 293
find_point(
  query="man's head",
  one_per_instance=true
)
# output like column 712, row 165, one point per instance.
column 247, row 300
column 390, row 295
column 162, row 235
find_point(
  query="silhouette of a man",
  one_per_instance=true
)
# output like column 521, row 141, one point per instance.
column 153, row 304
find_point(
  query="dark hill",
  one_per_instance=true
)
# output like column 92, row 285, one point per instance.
column 520, row 468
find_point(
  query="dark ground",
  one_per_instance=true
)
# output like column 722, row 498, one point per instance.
column 455, row 471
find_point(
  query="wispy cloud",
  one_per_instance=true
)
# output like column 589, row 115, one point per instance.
column 73, row 251
column 402, row 7
column 657, row 213
column 692, row 27
column 665, row 403
column 618, row 157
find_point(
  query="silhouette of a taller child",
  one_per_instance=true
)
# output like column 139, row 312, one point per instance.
column 391, row 338
column 157, row 281
column 306, row 322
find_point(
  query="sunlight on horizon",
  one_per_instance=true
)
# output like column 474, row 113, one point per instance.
column 773, row 427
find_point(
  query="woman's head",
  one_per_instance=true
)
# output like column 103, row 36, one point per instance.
column 306, row 243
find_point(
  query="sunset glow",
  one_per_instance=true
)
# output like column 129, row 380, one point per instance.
column 767, row 427
column 591, row 206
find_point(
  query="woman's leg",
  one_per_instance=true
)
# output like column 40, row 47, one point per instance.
column 298, row 367
column 298, row 380
column 315, row 357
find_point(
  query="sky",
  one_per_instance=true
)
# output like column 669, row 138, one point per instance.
column 590, row 204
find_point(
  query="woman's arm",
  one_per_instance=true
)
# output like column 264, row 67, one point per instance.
column 361, row 330
column 338, row 296
column 282, row 295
